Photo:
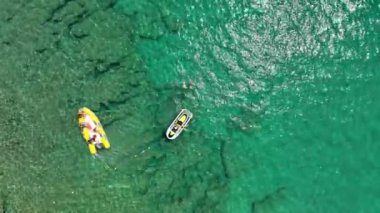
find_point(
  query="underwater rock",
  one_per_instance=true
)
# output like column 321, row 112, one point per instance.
column 223, row 158
column 66, row 12
column 149, row 27
column 107, row 4
column 268, row 202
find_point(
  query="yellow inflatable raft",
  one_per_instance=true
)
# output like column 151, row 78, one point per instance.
column 92, row 146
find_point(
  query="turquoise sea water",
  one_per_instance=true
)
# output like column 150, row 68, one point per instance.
column 284, row 96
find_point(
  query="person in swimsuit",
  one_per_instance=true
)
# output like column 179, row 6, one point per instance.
column 95, row 139
column 87, row 121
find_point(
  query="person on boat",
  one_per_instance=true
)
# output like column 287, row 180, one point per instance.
column 95, row 139
column 87, row 122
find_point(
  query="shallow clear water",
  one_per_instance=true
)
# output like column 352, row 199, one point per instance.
column 284, row 97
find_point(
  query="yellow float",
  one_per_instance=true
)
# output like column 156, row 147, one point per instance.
column 92, row 146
